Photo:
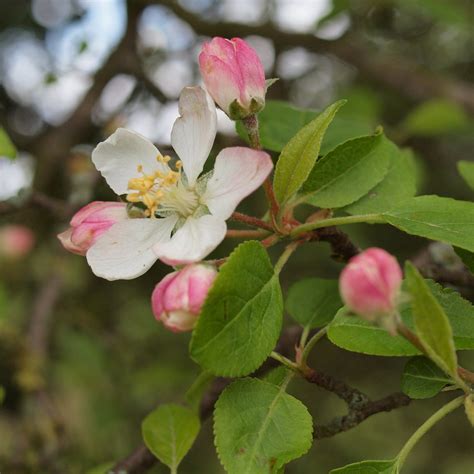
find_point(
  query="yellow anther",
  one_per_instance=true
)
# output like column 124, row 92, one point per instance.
column 179, row 165
column 166, row 158
column 140, row 168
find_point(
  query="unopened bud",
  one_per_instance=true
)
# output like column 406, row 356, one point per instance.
column 177, row 299
column 89, row 223
column 370, row 286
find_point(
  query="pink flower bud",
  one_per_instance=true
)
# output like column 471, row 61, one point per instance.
column 177, row 299
column 370, row 284
column 89, row 223
column 16, row 241
column 234, row 76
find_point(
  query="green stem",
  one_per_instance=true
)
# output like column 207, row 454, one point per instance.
column 311, row 343
column 426, row 426
column 285, row 256
column 365, row 218
column 283, row 360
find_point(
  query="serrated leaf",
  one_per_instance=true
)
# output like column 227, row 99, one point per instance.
column 313, row 302
column 436, row 218
column 369, row 467
column 435, row 117
column 431, row 322
column 259, row 428
column 6, row 146
column 422, row 378
column 466, row 170
column 169, row 432
column 300, row 154
column 357, row 335
column 349, row 171
column 242, row 316
column 398, row 184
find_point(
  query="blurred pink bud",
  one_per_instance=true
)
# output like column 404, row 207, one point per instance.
column 177, row 299
column 16, row 241
column 89, row 223
column 370, row 284
column 234, row 76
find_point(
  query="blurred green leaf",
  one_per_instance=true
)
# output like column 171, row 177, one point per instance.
column 2, row 394
column 242, row 316
column 422, row 378
column 300, row 154
column 431, row 322
column 169, row 432
column 6, row 146
column 368, row 467
column 466, row 170
column 435, row 117
column 103, row 468
column 313, row 302
column 357, row 335
column 259, row 428
column 436, row 218
column 349, row 171
column 195, row 393
column 466, row 257
column 399, row 184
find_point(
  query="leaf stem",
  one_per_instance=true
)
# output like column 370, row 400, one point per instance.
column 311, row 343
column 364, row 218
column 283, row 360
column 251, row 125
column 251, row 221
column 246, row 234
column 290, row 248
column 426, row 426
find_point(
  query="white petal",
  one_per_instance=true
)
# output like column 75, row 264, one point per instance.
column 125, row 251
column 192, row 242
column 238, row 172
column 194, row 132
column 120, row 155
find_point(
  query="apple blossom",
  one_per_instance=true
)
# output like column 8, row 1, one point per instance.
column 370, row 284
column 89, row 223
column 177, row 299
column 181, row 214
column 16, row 241
column 234, row 76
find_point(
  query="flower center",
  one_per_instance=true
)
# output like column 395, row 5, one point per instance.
column 163, row 192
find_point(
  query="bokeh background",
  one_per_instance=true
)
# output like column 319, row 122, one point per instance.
column 82, row 360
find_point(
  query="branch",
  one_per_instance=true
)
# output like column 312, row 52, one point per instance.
column 392, row 72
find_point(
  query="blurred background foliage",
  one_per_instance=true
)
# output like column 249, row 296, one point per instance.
column 82, row 360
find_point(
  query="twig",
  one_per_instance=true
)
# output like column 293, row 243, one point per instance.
column 251, row 221
column 246, row 234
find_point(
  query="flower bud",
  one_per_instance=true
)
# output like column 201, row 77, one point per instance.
column 16, row 241
column 370, row 285
column 177, row 299
column 234, row 76
column 89, row 223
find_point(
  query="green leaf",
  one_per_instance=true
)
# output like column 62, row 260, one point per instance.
column 6, row 146
column 349, row 172
column 369, row 467
column 277, row 376
column 399, row 184
column 422, row 378
column 259, row 428
column 197, row 390
column 466, row 257
column 242, row 316
column 169, row 432
column 300, row 154
column 313, row 302
column 466, row 170
column 357, row 335
column 435, row 117
column 431, row 322
column 436, row 218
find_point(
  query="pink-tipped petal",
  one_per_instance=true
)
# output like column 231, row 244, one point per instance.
column 238, row 172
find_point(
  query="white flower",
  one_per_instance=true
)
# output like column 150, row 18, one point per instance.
column 184, row 214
